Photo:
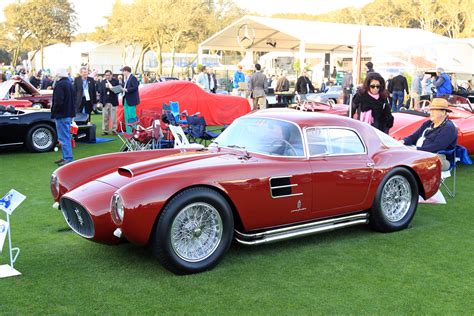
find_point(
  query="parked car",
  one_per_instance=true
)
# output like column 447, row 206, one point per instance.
column 32, row 128
column 271, row 175
column 24, row 93
column 462, row 115
column 333, row 95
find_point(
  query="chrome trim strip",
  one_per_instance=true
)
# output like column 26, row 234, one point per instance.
column 301, row 233
column 11, row 144
column 284, row 186
column 323, row 222
column 288, row 195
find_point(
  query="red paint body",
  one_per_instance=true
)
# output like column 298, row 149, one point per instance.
column 30, row 95
column 331, row 185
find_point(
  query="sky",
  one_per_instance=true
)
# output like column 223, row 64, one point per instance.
column 91, row 12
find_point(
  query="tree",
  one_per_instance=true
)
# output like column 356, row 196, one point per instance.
column 49, row 22
column 16, row 30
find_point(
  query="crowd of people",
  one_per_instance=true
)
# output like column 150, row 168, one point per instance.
column 78, row 95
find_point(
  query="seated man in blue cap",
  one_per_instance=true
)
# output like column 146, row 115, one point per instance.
column 437, row 134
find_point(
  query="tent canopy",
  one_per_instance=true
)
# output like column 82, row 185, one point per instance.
column 272, row 34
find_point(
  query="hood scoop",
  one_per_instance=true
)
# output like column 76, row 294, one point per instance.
column 139, row 168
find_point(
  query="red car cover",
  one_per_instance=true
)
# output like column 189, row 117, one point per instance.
column 216, row 109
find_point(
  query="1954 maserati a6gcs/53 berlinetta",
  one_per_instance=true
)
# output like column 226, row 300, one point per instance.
column 271, row 175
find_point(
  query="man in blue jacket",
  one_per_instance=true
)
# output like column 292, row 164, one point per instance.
column 130, row 97
column 239, row 77
column 63, row 111
column 437, row 134
column 443, row 83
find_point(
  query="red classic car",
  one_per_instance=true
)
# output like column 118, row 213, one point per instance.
column 21, row 93
column 271, row 175
column 462, row 115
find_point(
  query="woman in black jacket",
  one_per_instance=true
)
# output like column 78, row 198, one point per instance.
column 372, row 96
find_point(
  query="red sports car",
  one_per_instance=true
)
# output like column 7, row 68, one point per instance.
column 21, row 93
column 462, row 115
column 271, row 175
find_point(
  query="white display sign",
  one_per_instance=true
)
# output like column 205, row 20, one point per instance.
column 3, row 233
column 11, row 200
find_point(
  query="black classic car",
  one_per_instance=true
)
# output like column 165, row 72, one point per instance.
column 33, row 128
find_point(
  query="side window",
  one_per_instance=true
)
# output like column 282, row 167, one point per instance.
column 344, row 141
column 317, row 141
column 333, row 141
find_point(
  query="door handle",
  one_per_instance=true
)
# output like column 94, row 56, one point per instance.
column 14, row 118
column 370, row 164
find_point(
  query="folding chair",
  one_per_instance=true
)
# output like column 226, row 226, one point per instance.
column 174, row 108
column 198, row 132
column 180, row 140
column 458, row 154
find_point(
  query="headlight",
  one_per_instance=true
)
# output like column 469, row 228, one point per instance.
column 117, row 208
column 54, row 185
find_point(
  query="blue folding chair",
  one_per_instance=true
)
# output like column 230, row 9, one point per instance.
column 174, row 107
column 457, row 155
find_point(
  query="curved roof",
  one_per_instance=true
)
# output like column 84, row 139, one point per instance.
column 287, row 34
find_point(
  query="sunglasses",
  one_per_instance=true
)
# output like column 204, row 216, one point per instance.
column 373, row 86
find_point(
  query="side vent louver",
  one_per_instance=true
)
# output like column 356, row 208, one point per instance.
column 282, row 187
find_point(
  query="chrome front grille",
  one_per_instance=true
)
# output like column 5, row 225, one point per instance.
column 77, row 218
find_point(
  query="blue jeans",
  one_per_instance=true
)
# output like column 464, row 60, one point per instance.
column 63, row 128
column 397, row 100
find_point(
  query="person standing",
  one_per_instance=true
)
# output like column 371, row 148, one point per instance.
column 369, row 67
column 212, row 80
column 398, row 86
column 371, row 104
column 35, row 79
column 131, row 97
column 282, row 86
column 258, row 86
column 63, row 111
column 109, row 102
column 416, row 89
column 202, row 79
column 46, row 82
column 347, row 85
column 443, row 83
column 304, row 85
column 334, row 73
column 239, row 78
column 86, row 95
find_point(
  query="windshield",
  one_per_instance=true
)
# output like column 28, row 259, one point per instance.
column 387, row 140
column 334, row 89
column 263, row 135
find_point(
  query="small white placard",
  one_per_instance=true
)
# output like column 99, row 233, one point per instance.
column 11, row 200
column 3, row 233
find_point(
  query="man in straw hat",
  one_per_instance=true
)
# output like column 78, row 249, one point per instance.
column 63, row 111
column 439, row 133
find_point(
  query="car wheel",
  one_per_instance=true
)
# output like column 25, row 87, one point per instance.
column 37, row 105
column 395, row 202
column 193, row 232
column 41, row 138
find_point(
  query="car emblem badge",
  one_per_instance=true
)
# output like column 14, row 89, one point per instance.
column 79, row 217
column 299, row 204
column 299, row 207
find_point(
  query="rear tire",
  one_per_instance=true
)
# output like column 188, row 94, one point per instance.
column 193, row 232
column 395, row 202
column 41, row 138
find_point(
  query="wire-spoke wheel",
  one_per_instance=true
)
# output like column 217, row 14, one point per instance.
column 395, row 202
column 41, row 138
column 193, row 231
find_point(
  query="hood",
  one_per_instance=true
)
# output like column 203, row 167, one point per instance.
column 405, row 124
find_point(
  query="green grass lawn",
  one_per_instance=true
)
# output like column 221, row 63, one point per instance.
column 427, row 269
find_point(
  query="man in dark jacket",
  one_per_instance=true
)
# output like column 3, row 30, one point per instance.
column 370, row 67
column 443, row 83
column 131, row 97
column 304, row 85
column 86, row 94
column 437, row 134
column 63, row 112
column 398, row 86
column 109, row 102
column 282, row 86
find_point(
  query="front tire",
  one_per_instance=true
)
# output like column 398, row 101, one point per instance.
column 41, row 138
column 193, row 232
column 395, row 202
